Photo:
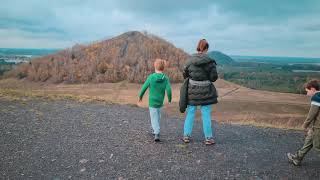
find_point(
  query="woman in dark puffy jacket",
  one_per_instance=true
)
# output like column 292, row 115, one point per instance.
column 201, row 71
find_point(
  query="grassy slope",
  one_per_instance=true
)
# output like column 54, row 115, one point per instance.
column 237, row 105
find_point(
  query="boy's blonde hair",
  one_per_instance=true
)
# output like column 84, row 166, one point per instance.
column 159, row 64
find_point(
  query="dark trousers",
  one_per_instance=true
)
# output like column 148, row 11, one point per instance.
column 311, row 141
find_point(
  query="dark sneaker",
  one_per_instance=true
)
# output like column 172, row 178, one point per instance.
column 209, row 141
column 294, row 159
column 157, row 137
column 186, row 139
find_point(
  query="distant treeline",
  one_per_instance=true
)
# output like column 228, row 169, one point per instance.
column 5, row 66
column 22, row 51
column 270, row 77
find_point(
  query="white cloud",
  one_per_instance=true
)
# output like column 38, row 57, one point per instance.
column 15, row 38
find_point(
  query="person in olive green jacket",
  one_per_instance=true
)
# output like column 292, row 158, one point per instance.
column 158, row 83
column 311, row 125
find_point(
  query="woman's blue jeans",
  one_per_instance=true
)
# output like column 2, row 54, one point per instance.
column 206, row 120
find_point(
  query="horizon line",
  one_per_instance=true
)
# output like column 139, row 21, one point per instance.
column 274, row 56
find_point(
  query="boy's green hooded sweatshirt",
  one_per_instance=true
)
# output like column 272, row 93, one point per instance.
column 158, row 84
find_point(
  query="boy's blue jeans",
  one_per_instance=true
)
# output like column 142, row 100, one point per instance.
column 206, row 120
column 155, row 116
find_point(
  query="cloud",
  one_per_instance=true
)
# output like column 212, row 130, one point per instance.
column 243, row 27
column 13, row 37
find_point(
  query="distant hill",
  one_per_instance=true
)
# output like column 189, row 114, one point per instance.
column 129, row 56
column 221, row 58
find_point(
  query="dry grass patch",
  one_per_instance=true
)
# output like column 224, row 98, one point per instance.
column 239, row 105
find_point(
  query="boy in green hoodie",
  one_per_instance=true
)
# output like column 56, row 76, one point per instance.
column 158, row 83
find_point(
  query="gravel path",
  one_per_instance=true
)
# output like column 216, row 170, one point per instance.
column 70, row 140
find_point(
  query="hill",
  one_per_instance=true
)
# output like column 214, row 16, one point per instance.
column 221, row 58
column 129, row 56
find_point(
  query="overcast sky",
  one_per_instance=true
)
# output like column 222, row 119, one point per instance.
column 236, row 27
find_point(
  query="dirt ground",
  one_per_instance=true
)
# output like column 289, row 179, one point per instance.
column 68, row 139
